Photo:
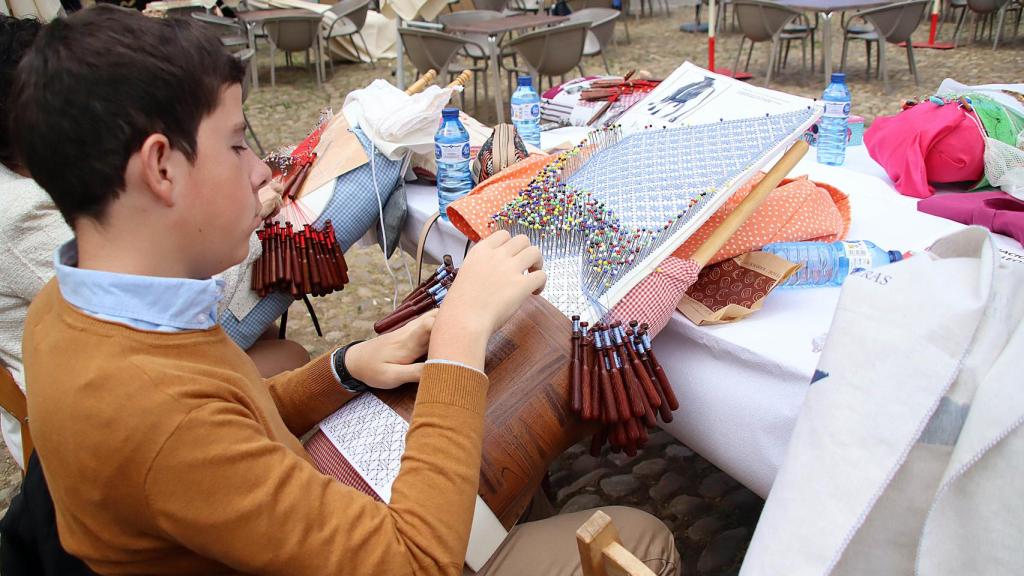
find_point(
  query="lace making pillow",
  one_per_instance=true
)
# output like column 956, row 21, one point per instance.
column 352, row 208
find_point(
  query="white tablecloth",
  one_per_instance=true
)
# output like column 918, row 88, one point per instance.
column 741, row 385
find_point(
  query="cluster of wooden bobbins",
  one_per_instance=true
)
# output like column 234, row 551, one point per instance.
column 299, row 262
column 298, row 171
column 429, row 294
column 617, row 381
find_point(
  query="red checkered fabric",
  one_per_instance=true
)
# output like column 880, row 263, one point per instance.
column 331, row 462
column 654, row 299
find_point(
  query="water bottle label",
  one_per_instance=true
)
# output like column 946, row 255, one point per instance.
column 521, row 112
column 837, row 109
column 858, row 254
column 452, row 153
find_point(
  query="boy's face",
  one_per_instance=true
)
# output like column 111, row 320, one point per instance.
column 223, row 188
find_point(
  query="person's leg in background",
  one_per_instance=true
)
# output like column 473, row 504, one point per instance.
column 548, row 546
column 273, row 355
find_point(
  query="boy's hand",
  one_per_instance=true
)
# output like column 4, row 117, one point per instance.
column 389, row 360
column 490, row 287
column 270, row 199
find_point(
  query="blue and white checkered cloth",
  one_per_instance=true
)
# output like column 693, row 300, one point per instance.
column 353, row 209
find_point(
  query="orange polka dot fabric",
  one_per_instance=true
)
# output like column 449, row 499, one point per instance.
column 799, row 209
column 472, row 213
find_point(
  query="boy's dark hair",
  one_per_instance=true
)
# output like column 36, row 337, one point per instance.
column 16, row 35
column 96, row 84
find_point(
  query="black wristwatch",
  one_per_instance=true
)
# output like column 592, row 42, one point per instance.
column 344, row 376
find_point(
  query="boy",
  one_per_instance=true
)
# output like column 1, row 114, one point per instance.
column 164, row 451
column 31, row 228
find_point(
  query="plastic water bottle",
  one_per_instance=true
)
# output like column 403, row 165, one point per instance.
column 451, row 150
column 526, row 111
column 828, row 264
column 833, row 128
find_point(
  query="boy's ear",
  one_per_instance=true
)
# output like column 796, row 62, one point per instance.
column 159, row 172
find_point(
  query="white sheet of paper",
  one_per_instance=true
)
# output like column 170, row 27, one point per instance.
column 692, row 95
column 371, row 436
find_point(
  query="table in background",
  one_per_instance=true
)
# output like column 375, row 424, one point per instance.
column 827, row 8
column 497, row 27
column 741, row 385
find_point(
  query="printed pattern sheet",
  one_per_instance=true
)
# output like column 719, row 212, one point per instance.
column 371, row 436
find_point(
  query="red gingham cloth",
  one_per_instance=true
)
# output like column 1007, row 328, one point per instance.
column 654, row 299
column 330, row 461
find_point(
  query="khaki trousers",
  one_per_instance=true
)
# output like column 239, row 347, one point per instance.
column 548, row 547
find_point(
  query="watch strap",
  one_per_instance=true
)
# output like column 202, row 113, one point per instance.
column 345, row 378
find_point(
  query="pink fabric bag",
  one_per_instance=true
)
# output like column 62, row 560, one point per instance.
column 926, row 144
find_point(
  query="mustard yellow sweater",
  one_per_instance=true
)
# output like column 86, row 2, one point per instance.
column 168, row 454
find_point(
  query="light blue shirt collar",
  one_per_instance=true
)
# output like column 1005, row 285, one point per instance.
column 144, row 302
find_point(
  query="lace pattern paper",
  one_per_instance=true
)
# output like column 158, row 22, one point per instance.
column 371, row 436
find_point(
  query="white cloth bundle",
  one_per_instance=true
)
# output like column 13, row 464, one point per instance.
column 908, row 453
column 395, row 121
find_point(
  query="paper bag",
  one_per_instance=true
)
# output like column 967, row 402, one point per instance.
column 731, row 290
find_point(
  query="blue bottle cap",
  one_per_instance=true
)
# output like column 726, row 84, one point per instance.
column 525, row 81
column 449, row 113
column 838, row 78
column 895, row 256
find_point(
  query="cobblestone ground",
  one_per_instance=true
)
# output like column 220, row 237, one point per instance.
column 711, row 515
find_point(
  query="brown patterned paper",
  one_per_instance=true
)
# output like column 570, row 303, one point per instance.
column 733, row 289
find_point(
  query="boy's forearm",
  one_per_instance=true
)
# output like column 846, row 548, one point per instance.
column 435, row 492
column 455, row 339
column 307, row 395
column 233, row 512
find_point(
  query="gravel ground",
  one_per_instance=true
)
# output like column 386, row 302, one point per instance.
column 711, row 515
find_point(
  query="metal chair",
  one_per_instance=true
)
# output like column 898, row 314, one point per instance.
column 231, row 32
column 481, row 58
column 429, row 49
column 245, row 57
column 1018, row 7
column 949, row 7
column 601, row 30
column 761, row 21
column 721, row 9
column 579, row 5
column 895, row 24
column 294, row 34
column 552, row 51
column 525, row 6
column 803, row 30
column 349, row 19
column 650, row 4
column 857, row 26
column 985, row 10
column 500, row 6
column 184, row 11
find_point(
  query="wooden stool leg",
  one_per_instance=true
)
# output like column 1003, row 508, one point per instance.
column 601, row 553
column 12, row 400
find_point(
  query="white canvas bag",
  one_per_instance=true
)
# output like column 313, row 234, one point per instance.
column 908, row 455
